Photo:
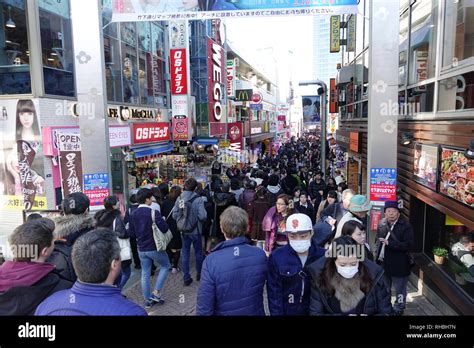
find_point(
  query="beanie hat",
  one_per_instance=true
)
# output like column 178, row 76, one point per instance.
column 391, row 204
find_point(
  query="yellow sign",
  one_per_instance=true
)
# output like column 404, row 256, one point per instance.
column 335, row 37
column 16, row 203
column 224, row 143
column 351, row 34
column 452, row 222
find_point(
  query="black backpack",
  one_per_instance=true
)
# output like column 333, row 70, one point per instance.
column 187, row 219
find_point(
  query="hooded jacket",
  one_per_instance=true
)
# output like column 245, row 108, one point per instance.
column 375, row 302
column 246, row 198
column 23, row 285
column 222, row 201
column 68, row 229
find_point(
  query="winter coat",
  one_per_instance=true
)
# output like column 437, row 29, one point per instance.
column 396, row 257
column 140, row 227
column 314, row 189
column 375, row 302
column 89, row 299
column 270, row 226
column 237, row 193
column 258, row 209
column 23, row 285
column 329, row 211
column 197, row 208
column 273, row 193
column 309, row 210
column 222, row 201
column 232, row 280
column 166, row 208
column 289, row 285
column 288, row 184
column 68, row 228
column 347, row 217
column 246, row 199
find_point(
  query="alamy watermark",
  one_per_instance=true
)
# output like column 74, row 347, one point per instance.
column 20, row 251
column 357, row 250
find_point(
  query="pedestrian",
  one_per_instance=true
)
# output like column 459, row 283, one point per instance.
column 133, row 242
column 331, row 185
column 304, row 206
column 356, row 231
column 331, row 198
column 190, row 208
column 234, row 274
column 395, row 241
column 344, row 284
column 317, row 187
column 358, row 210
column 248, row 196
column 274, row 189
column 222, row 200
column 96, row 257
column 236, row 188
column 258, row 208
column 110, row 218
column 27, row 280
column 289, row 284
column 174, row 247
column 141, row 227
column 296, row 194
column 74, row 223
column 273, row 223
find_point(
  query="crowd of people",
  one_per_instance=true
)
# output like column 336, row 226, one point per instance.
column 277, row 224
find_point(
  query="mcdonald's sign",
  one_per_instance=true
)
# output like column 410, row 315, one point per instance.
column 243, row 95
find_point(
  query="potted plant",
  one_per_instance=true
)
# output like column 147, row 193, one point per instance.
column 439, row 255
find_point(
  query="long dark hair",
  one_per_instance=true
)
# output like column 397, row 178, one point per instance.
column 330, row 269
column 26, row 105
column 331, row 194
column 289, row 203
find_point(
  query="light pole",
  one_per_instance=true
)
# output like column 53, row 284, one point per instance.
column 322, row 91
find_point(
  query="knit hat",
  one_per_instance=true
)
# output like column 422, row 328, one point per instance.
column 391, row 204
column 359, row 203
column 273, row 180
column 298, row 223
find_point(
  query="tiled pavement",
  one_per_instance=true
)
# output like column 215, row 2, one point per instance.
column 181, row 300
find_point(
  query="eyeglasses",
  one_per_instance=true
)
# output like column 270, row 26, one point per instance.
column 281, row 204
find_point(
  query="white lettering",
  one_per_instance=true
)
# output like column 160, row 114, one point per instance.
column 37, row 331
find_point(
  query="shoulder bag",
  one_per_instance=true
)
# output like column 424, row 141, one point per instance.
column 161, row 239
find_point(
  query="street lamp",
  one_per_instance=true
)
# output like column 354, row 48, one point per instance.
column 322, row 91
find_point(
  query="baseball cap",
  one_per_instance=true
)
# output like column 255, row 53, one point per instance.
column 298, row 223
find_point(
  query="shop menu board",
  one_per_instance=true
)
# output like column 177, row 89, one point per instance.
column 457, row 176
column 425, row 166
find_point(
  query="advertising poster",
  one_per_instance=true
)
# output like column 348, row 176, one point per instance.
column 383, row 184
column 311, row 109
column 70, row 163
column 457, row 176
column 21, row 156
column 143, row 10
column 96, row 187
column 425, row 166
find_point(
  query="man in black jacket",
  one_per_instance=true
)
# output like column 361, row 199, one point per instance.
column 27, row 280
column 317, row 188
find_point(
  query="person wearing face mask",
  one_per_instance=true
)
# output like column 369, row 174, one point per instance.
column 288, row 283
column 344, row 283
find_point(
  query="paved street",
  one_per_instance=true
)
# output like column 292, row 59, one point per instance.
column 181, row 300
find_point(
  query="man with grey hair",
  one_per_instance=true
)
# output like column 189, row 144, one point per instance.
column 234, row 274
column 96, row 259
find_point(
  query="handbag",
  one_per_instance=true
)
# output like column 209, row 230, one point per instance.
column 125, row 248
column 161, row 239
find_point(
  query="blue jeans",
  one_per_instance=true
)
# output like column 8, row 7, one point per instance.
column 124, row 276
column 146, row 259
column 196, row 240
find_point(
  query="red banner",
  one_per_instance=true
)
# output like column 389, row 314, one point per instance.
column 180, row 128
column 144, row 133
column 382, row 192
column 178, row 71
column 235, row 136
column 332, row 96
column 97, row 196
column 375, row 218
column 216, row 78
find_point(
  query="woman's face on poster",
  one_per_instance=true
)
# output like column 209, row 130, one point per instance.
column 27, row 118
column 190, row 4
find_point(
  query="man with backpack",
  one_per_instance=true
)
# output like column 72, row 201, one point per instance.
column 189, row 213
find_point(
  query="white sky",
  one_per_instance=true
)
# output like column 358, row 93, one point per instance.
column 283, row 34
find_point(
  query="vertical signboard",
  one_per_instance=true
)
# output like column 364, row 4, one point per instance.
column 231, row 84
column 351, row 34
column 235, row 133
column 335, row 34
column 332, row 96
column 180, row 113
column 70, row 163
column 216, row 78
column 178, row 71
column 383, row 184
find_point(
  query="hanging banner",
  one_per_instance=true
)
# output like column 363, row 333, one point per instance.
column 216, row 80
column 235, row 136
column 180, row 128
column 231, row 82
column 179, row 83
column 70, row 163
column 332, row 96
column 333, row 124
column 136, row 10
column 351, row 34
column 335, row 34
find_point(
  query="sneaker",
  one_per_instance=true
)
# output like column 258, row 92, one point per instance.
column 188, row 282
column 157, row 299
column 174, row 270
column 148, row 304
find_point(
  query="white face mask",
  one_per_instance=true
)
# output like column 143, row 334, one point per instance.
column 300, row 246
column 348, row 272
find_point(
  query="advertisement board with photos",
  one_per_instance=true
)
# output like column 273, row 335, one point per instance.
column 457, row 176
column 425, row 165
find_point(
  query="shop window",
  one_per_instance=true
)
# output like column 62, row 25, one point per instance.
column 442, row 231
column 130, row 74
column 56, row 44
column 456, row 93
column 113, row 73
column 14, row 52
column 110, row 29
column 422, row 52
column 420, row 99
column 158, row 40
column 458, row 43
column 145, row 75
column 403, row 49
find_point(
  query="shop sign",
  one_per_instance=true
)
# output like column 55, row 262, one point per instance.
column 231, row 85
column 335, row 34
column 235, row 135
column 332, row 96
column 425, row 165
column 243, row 95
column 354, row 142
column 333, row 125
column 177, row 34
column 125, row 113
column 257, row 98
column 224, row 143
column 96, row 187
column 120, row 136
column 256, row 130
column 144, row 133
column 180, row 127
column 351, row 34
column 70, row 163
column 375, row 217
column 383, row 184
column 256, row 107
column 217, row 128
column 342, row 139
column 216, row 75
column 178, row 71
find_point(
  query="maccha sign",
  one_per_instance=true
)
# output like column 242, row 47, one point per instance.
column 178, row 71
column 145, row 133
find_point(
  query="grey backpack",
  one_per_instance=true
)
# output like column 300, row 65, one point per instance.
column 187, row 219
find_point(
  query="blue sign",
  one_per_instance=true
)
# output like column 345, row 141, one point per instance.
column 99, row 181
column 256, row 107
column 383, row 176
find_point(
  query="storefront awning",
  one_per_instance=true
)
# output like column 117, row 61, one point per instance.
column 207, row 141
column 142, row 151
column 259, row 137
